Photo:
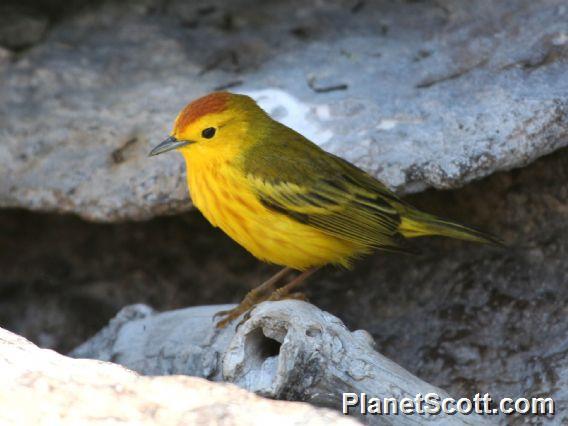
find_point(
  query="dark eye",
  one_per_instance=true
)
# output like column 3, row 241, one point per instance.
column 209, row 132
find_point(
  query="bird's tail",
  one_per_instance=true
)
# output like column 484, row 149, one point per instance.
column 419, row 224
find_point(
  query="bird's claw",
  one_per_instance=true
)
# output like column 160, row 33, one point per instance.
column 296, row 296
column 220, row 314
column 223, row 323
column 245, row 318
column 229, row 315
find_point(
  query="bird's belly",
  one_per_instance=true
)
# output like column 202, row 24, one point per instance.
column 270, row 236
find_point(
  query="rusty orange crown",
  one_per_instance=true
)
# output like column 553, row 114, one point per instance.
column 213, row 103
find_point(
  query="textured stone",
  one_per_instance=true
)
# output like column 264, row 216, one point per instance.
column 283, row 350
column 463, row 317
column 20, row 27
column 419, row 94
column 66, row 391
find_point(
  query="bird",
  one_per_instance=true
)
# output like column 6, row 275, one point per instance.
column 286, row 200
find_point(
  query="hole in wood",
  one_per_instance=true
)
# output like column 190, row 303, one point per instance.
column 261, row 347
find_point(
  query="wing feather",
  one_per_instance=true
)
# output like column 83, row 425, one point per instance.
column 313, row 187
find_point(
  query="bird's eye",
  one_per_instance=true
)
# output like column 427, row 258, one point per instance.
column 208, row 133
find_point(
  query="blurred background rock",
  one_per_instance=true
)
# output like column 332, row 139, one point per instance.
column 422, row 94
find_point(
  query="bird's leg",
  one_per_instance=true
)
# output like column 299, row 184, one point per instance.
column 256, row 295
column 282, row 293
column 285, row 292
column 297, row 295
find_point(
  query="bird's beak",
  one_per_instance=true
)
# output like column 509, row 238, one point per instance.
column 167, row 145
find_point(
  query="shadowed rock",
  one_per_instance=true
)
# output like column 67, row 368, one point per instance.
column 418, row 94
column 467, row 318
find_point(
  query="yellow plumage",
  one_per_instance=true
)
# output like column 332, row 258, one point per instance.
column 286, row 200
column 224, row 196
column 282, row 197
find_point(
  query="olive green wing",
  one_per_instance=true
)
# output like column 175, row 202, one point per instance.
column 300, row 180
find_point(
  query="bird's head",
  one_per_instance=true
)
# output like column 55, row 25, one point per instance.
column 216, row 123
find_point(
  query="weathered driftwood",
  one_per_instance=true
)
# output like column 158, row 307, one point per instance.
column 284, row 350
column 42, row 387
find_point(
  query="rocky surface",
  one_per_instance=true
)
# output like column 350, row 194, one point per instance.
column 21, row 27
column 66, row 391
column 283, row 350
column 463, row 317
column 418, row 93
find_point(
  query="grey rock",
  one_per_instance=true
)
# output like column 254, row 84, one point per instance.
column 463, row 317
column 283, row 350
column 21, row 27
column 420, row 94
column 5, row 56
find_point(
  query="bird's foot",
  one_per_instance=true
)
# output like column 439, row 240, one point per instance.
column 265, row 292
column 253, row 297
column 231, row 314
column 288, row 291
column 282, row 295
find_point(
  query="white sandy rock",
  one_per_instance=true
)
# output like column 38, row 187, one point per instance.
column 42, row 387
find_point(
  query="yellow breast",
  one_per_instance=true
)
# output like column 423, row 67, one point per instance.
column 221, row 193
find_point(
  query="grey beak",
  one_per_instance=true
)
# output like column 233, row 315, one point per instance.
column 168, row 145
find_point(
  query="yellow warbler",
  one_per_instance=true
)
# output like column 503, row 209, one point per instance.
column 286, row 200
